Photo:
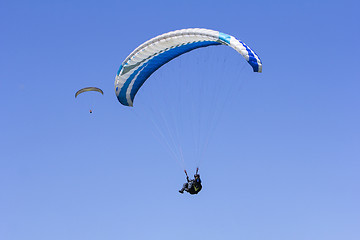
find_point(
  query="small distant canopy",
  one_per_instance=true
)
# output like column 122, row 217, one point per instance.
column 89, row 89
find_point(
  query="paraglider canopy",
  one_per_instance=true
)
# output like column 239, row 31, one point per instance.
column 151, row 55
column 89, row 89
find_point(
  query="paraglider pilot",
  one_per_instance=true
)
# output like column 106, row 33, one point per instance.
column 192, row 186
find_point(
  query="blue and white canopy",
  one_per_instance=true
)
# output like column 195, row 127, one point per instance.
column 151, row 55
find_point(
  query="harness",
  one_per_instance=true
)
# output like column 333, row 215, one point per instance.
column 194, row 189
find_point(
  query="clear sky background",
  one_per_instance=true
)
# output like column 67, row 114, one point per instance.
column 283, row 162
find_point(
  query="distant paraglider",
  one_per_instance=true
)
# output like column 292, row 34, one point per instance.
column 89, row 89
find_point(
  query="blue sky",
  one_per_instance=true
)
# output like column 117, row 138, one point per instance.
column 283, row 162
